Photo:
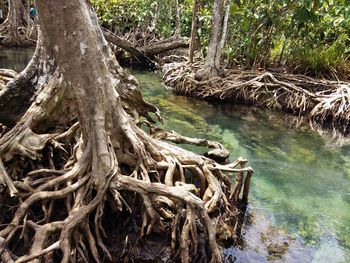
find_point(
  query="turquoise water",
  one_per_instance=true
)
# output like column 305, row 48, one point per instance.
column 299, row 207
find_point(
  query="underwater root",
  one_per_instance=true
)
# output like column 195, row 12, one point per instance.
column 324, row 102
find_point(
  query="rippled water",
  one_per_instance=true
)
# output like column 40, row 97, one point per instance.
column 299, row 209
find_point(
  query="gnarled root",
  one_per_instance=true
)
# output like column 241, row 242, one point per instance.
column 15, row 30
column 16, row 37
column 66, row 179
column 322, row 101
column 176, row 187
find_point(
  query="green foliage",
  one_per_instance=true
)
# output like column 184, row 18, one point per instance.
column 310, row 35
column 122, row 16
column 323, row 57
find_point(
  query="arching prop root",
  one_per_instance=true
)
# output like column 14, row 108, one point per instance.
column 188, row 191
column 324, row 102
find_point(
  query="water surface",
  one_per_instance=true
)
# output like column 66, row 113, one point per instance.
column 299, row 208
column 15, row 58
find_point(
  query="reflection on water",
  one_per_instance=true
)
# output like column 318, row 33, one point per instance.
column 14, row 58
column 299, row 208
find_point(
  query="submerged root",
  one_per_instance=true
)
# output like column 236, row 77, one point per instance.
column 322, row 101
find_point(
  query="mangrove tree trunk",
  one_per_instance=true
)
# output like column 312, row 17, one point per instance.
column 211, row 66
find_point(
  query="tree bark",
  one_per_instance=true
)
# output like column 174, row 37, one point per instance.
column 177, row 32
column 154, row 21
column 223, row 34
column 211, row 67
column 193, row 30
column 216, row 27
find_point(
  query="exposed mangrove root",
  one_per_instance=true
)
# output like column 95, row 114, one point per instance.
column 6, row 256
column 18, row 30
column 322, row 101
column 21, row 39
column 51, row 168
column 163, row 186
column 219, row 153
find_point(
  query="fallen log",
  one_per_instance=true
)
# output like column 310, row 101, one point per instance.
column 164, row 46
column 145, row 55
column 140, row 56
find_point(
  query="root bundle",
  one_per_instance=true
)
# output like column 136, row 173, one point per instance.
column 324, row 102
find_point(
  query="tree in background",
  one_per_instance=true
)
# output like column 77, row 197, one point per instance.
column 212, row 60
column 16, row 30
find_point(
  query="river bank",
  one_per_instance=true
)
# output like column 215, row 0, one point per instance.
column 323, row 102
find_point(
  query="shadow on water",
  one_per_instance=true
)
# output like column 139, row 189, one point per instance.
column 299, row 207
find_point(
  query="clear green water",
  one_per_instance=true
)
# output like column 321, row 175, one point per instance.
column 299, row 209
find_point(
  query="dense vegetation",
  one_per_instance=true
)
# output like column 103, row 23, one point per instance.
column 303, row 36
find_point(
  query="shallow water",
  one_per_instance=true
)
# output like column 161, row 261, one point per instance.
column 299, row 208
